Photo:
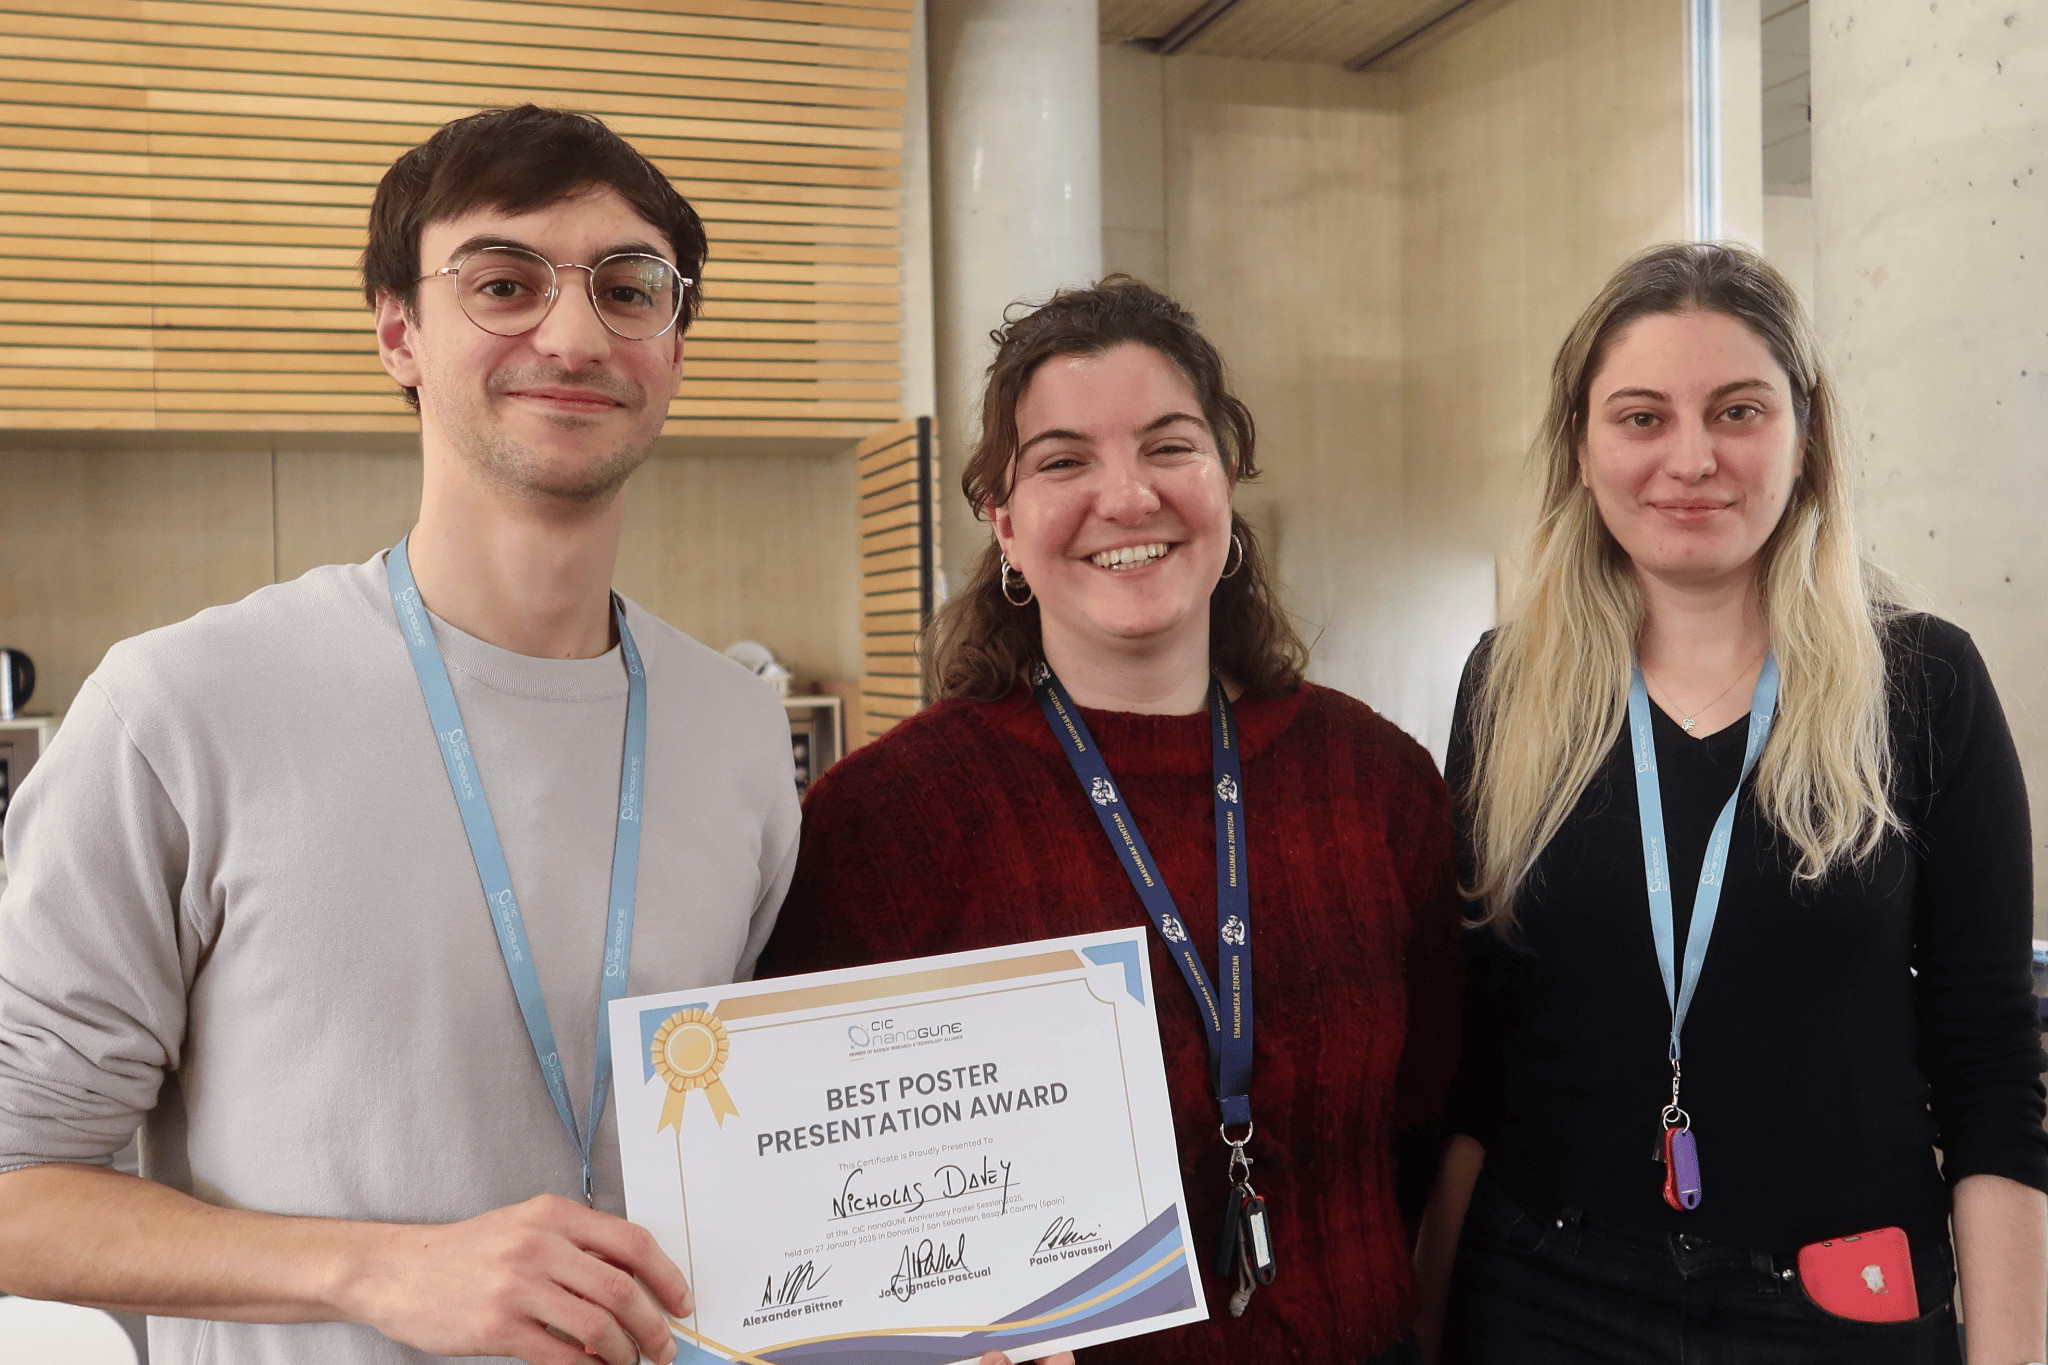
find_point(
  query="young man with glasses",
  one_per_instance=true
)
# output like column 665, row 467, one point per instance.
column 325, row 890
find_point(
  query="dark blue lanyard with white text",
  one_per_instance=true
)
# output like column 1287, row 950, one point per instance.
column 503, row 906
column 1680, row 1155
column 1246, row 1247
column 1230, row 1037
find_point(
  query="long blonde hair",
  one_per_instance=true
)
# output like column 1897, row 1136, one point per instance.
column 1551, row 701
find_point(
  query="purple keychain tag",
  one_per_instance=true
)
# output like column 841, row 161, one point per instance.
column 1681, row 1169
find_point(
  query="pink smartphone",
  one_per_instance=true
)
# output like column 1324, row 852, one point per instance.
column 1867, row 1276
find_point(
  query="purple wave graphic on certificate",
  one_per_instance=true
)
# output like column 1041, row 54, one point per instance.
column 1145, row 1277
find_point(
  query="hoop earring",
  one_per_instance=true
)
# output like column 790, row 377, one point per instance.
column 1004, row 579
column 1238, row 545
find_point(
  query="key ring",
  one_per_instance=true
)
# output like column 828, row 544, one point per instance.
column 1674, row 1117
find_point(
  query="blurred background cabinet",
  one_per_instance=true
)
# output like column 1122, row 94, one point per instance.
column 22, row 741
column 817, row 736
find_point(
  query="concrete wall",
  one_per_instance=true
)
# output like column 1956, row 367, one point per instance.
column 1544, row 146
column 1388, row 262
column 1134, row 164
column 106, row 535
column 1930, row 195
column 1788, row 240
column 1267, row 197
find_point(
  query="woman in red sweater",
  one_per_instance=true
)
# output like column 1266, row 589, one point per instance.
column 1123, row 590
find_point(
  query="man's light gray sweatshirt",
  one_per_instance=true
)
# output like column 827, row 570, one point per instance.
column 241, row 912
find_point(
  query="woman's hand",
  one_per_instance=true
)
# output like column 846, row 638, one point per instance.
column 2002, row 1264
column 1436, row 1244
column 998, row 1358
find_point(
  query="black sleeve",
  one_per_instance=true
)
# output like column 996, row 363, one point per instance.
column 1474, row 1107
column 1435, row 984
column 1973, row 916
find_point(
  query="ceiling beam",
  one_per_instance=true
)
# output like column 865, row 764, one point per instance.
column 1188, row 29
column 1365, row 61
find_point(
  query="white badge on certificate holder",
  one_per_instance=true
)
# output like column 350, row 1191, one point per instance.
column 917, row 1162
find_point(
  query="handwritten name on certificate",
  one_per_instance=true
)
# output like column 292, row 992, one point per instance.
column 916, row 1162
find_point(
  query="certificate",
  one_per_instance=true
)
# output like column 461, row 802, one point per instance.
column 913, row 1163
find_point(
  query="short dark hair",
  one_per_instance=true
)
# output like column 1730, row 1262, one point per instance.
column 515, row 160
column 979, row 644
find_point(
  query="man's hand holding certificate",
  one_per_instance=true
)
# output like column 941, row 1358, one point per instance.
column 917, row 1162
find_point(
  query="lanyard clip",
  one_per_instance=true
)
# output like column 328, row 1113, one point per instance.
column 1240, row 1164
column 589, row 1186
column 1673, row 1116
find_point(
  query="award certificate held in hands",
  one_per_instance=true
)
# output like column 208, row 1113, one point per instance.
column 912, row 1163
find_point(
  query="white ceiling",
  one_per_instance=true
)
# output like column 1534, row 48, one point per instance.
column 1328, row 31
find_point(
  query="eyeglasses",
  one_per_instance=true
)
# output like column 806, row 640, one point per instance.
column 507, row 290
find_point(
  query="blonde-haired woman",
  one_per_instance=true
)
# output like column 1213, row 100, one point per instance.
column 1750, row 846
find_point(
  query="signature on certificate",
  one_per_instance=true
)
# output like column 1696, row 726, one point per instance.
column 797, row 1286
column 925, row 1262
column 1062, row 1234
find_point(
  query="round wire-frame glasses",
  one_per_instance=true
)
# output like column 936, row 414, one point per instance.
column 508, row 291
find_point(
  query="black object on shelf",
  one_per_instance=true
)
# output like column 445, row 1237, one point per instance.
column 17, row 681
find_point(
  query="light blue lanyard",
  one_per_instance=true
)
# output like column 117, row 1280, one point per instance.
column 1763, row 706
column 490, row 854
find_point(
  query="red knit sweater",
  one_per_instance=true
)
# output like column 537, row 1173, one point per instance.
column 965, row 828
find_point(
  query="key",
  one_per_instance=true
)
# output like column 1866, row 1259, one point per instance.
column 1231, row 1235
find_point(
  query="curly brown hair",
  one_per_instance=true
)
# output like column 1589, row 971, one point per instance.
column 979, row 644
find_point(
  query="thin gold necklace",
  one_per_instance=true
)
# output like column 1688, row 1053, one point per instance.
column 1687, row 722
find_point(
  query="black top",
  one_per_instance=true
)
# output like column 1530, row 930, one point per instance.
column 1841, row 1030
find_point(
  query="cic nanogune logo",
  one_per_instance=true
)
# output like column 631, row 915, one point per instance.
column 888, row 1035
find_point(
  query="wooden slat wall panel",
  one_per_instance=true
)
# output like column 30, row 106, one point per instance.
column 895, row 473
column 183, row 187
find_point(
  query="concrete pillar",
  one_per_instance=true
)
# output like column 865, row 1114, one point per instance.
column 1016, row 144
column 1930, row 195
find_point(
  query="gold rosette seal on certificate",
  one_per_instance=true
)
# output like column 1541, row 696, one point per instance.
column 688, row 1053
